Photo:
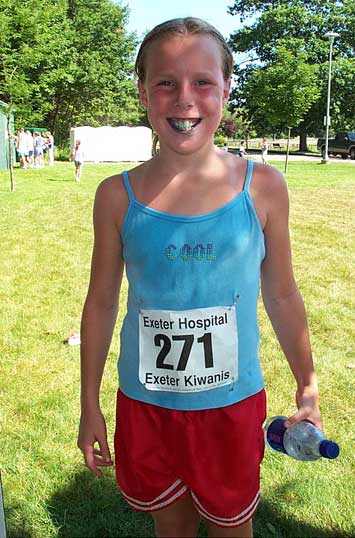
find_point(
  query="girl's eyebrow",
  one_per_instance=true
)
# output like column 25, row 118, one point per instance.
column 172, row 74
column 164, row 75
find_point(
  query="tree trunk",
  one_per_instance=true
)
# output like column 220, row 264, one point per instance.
column 53, row 120
column 303, row 140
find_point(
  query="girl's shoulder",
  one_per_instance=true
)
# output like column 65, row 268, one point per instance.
column 112, row 187
column 268, row 190
column 267, row 179
column 115, row 185
column 112, row 198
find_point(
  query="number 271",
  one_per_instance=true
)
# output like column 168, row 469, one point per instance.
column 163, row 341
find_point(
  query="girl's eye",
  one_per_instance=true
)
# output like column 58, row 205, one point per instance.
column 165, row 83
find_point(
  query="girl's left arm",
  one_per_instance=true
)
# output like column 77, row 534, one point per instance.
column 284, row 303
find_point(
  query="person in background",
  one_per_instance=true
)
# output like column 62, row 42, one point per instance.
column 30, row 149
column 22, row 147
column 264, row 150
column 242, row 151
column 38, row 150
column 44, row 147
column 50, row 146
column 78, row 158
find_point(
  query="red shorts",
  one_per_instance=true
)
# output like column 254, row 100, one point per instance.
column 213, row 454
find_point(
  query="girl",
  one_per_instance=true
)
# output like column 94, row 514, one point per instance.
column 38, row 150
column 242, row 151
column 195, row 227
column 21, row 147
column 78, row 158
column 50, row 143
column 264, row 150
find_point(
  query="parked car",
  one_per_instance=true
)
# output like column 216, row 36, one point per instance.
column 343, row 144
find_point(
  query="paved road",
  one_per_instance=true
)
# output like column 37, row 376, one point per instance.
column 278, row 157
column 281, row 157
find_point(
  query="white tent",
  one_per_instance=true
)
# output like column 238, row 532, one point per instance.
column 113, row 144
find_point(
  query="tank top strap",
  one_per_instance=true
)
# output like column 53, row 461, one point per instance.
column 249, row 175
column 128, row 187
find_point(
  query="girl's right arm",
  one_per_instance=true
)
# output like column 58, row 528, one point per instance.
column 99, row 317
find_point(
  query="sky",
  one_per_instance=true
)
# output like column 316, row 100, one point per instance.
column 145, row 14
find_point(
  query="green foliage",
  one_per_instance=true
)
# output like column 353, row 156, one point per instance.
column 284, row 90
column 299, row 27
column 220, row 140
column 237, row 123
column 299, row 24
column 343, row 88
column 28, row 34
column 67, row 63
column 228, row 126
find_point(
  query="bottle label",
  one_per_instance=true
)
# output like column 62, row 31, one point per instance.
column 275, row 435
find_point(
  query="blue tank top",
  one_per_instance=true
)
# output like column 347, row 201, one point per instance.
column 192, row 302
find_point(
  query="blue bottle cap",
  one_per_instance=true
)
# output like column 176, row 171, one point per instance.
column 329, row 449
column 275, row 433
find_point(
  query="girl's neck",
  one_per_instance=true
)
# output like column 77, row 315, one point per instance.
column 179, row 164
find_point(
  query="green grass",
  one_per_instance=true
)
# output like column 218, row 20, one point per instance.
column 46, row 241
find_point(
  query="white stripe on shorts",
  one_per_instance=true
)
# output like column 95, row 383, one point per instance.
column 157, row 503
column 235, row 521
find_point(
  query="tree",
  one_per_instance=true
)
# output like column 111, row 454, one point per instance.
column 228, row 126
column 100, row 88
column 343, row 85
column 33, row 40
column 284, row 90
column 73, row 62
column 298, row 26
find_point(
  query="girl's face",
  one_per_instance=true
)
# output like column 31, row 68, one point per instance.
column 184, row 91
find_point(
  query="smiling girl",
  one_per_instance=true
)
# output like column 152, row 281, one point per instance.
column 197, row 229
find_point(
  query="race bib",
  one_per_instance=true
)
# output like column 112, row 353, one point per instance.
column 188, row 350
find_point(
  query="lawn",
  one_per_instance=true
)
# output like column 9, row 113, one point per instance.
column 46, row 240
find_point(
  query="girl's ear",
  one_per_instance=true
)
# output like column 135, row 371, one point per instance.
column 226, row 91
column 142, row 94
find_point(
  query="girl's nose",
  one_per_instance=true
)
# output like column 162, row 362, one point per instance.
column 184, row 96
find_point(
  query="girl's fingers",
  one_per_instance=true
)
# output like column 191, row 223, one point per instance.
column 305, row 413
column 297, row 417
column 105, row 456
column 101, row 463
column 90, row 461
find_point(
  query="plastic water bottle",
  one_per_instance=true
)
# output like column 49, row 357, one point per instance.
column 303, row 441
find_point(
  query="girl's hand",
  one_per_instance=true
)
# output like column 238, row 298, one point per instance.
column 92, row 430
column 308, row 408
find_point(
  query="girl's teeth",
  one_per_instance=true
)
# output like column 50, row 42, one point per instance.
column 183, row 125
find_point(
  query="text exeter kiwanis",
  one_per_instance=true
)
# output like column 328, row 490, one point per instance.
column 183, row 323
column 187, row 381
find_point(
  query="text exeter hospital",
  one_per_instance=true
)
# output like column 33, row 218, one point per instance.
column 184, row 323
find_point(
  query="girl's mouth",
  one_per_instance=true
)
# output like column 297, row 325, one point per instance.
column 184, row 125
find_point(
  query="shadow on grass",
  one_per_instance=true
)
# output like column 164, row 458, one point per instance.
column 17, row 523
column 272, row 522
column 94, row 508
